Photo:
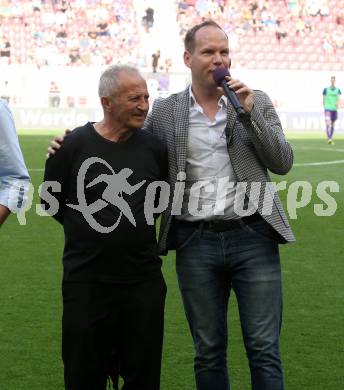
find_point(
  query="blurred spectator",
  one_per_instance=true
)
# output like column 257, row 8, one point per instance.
column 93, row 34
column 148, row 19
column 61, row 18
column 308, row 23
column 168, row 64
column 70, row 101
column 62, row 34
column 36, row 5
column 74, row 56
column 327, row 44
column 294, row 8
column 300, row 27
column 324, row 8
column 267, row 19
column 54, row 95
column 303, row 10
column 103, row 29
column 281, row 32
column 338, row 38
column 5, row 92
column 5, row 50
column 64, row 5
column 340, row 18
column 318, row 7
column 253, row 6
column 164, row 82
column 184, row 5
column 155, row 60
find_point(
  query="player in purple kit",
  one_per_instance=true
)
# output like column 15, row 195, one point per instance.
column 331, row 96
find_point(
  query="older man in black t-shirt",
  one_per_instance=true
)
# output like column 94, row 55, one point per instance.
column 113, row 288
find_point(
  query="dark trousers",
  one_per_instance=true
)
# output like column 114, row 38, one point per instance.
column 112, row 330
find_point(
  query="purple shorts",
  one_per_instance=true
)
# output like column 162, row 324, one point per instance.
column 331, row 115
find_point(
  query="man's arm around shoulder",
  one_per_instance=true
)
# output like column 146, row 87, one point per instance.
column 56, row 179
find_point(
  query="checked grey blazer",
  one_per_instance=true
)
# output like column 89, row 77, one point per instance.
column 255, row 145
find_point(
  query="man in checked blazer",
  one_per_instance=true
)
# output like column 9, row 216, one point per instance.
column 215, row 158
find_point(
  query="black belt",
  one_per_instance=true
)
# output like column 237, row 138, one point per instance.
column 221, row 225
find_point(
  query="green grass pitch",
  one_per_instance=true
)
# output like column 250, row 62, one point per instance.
column 313, row 328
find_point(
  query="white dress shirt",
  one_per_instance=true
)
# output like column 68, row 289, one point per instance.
column 211, row 183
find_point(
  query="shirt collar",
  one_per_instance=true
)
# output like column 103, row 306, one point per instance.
column 223, row 101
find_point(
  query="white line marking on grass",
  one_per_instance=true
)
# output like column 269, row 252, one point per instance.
column 329, row 149
column 319, row 163
column 35, row 169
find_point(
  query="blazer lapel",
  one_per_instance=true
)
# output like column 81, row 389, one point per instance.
column 181, row 115
column 231, row 119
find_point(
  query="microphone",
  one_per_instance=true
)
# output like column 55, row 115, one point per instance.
column 219, row 75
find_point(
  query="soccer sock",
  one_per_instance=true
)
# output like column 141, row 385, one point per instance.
column 328, row 132
column 331, row 131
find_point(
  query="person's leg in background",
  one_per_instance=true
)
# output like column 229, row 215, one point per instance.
column 328, row 125
column 330, row 119
column 334, row 116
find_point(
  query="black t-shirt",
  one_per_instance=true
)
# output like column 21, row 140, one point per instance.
column 112, row 178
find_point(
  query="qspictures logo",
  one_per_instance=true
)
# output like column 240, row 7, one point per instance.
column 158, row 195
column 117, row 185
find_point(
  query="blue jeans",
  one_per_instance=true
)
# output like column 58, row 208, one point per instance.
column 209, row 265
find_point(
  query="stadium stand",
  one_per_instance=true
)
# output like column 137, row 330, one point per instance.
column 291, row 34
column 275, row 34
column 72, row 33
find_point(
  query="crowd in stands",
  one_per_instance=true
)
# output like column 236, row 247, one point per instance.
column 284, row 34
column 296, row 34
column 74, row 32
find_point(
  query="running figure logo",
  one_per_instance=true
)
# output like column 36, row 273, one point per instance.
column 117, row 185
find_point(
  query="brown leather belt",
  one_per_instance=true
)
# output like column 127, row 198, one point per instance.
column 222, row 225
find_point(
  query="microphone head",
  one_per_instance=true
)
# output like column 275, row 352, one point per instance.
column 219, row 74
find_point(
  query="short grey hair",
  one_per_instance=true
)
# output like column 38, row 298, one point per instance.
column 109, row 80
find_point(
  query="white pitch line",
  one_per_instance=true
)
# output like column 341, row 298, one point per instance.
column 35, row 169
column 319, row 163
column 329, row 149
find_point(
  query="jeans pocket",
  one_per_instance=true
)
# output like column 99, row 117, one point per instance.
column 262, row 229
column 184, row 236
